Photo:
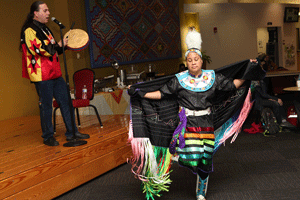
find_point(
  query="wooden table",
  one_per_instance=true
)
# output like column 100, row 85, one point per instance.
column 283, row 73
column 292, row 89
column 112, row 103
column 278, row 80
column 108, row 103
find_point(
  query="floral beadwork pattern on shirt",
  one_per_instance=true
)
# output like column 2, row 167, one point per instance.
column 200, row 84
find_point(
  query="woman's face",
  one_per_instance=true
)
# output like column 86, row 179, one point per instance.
column 194, row 63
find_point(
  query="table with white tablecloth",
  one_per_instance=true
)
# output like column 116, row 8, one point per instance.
column 109, row 103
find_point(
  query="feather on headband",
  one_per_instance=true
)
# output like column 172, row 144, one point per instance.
column 193, row 41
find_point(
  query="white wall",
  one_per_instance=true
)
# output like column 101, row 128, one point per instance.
column 237, row 25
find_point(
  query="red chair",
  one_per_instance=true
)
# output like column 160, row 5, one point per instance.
column 292, row 116
column 81, row 78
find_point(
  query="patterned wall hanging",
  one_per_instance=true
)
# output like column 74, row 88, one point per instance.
column 132, row 31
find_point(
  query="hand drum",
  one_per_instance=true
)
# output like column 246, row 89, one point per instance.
column 78, row 39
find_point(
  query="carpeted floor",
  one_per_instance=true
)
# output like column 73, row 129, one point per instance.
column 253, row 167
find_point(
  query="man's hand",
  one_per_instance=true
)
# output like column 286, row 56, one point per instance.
column 66, row 40
column 278, row 101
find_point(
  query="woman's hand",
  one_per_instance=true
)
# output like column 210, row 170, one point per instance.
column 253, row 60
column 238, row 82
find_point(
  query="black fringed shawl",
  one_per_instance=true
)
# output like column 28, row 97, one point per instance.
column 157, row 119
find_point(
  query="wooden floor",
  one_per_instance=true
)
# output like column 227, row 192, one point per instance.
column 31, row 170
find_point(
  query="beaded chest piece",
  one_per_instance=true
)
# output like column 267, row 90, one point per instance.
column 200, row 84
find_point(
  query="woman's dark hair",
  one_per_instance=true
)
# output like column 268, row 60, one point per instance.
column 35, row 6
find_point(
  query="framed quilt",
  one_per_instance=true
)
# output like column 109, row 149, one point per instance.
column 132, row 31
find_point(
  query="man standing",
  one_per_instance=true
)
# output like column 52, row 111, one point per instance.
column 41, row 66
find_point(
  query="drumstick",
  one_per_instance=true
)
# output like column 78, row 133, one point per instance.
column 72, row 26
column 71, row 29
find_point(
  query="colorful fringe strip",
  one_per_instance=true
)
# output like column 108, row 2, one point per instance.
column 150, row 164
column 178, row 134
column 235, row 128
column 219, row 133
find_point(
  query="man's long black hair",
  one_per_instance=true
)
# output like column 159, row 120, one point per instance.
column 35, row 6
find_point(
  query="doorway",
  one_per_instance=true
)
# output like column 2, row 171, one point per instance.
column 268, row 43
column 272, row 45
